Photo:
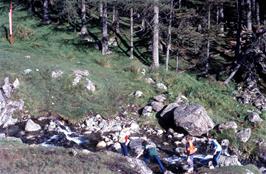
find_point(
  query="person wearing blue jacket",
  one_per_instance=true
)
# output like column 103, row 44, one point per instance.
column 217, row 150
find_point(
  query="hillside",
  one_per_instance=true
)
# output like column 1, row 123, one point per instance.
column 40, row 51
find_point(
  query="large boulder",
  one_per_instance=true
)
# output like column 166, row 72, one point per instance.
column 139, row 165
column 254, row 117
column 31, row 126
column 157, row 106
column 193, row 118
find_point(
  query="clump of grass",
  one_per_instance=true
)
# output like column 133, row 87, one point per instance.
column 23, row 32
column 104, row 62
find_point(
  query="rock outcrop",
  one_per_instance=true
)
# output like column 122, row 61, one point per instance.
column 8, row 106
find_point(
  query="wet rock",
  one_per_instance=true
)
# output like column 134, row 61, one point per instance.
column 159, row 98
column 31, row 126
column 147, row 111
column 254, row 117
column 157, row 106
column 229, row 161
column 244, row 135
column 138, row 94
column 161, row 87
column 57, row 74
column 101, row 145
column 194, row 119
column 228, row 125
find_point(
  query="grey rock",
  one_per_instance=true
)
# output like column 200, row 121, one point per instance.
column 169, row 108
column 262, row 151
column 90, row 86
column 57, row 74
column 254, row 117
column 7, row 88
column 27, row 71
column 134, row 127
column 31, row 126
column 157, row 106
column 159, row 98
column 244, row 135
column 228, row 125
column 149, row 80
column 138, row 94
column 139, row 165
column 147, row 111
column 229, row 161
column 161, row 87
column 194, row 119
column 16, row 84
column 135, row 145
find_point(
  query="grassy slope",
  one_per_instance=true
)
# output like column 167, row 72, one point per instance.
column 53, row 47
column 19, row 158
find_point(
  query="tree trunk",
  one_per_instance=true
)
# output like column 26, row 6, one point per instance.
column 221, row 18
column 217, row 15
column 258, row 13
column 239, row 20
column 101, row 10
column 46, row 19
column 115, row 20
column 179, row 4
column 169, row 36
column 253, row 8
column 155, row 48
column 131, row 33
column 208, row 41
column 249, row 16
column 177, row 61
column 84, row 30
column 105, row 48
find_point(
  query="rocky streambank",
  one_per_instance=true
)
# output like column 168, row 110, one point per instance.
column 96, row 133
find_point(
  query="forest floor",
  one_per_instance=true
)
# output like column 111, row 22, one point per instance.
column 45, row 48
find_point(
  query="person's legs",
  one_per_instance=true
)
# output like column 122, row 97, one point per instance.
column 124, row 149
column 146, row 158
column 216, row 159
column 158, row 160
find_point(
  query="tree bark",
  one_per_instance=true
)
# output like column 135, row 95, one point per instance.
column 155, row 49
column 239, row 20
column 177, row 63
column 131, row 33
column 179, row 4
column 46, row 18
column 105, row 48
column 115, row 20
column 84, row 30
column 258, row 13
column 208, row 42
column 249, row 15
column 101, row 10
column 221, row 18
column 169, row 36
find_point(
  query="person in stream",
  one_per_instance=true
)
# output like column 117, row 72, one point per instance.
column 124, row 140
column 149, row 152
column 190, row 151
column 217, row 151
